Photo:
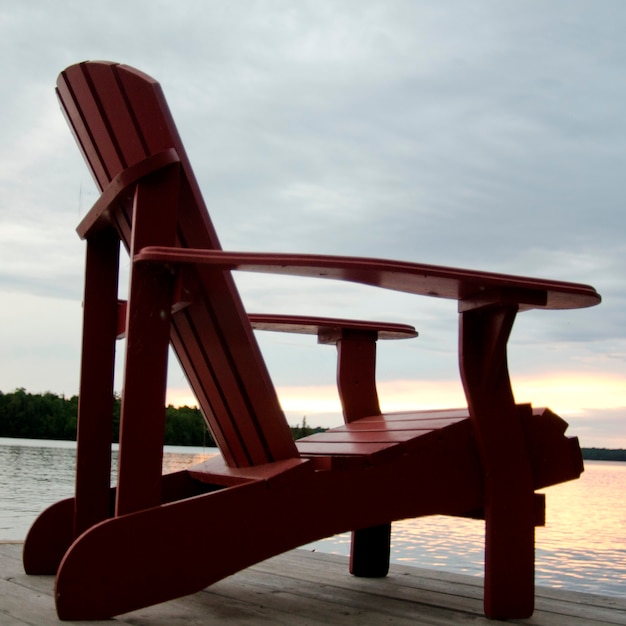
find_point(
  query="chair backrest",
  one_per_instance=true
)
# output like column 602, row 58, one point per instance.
column 119, row 117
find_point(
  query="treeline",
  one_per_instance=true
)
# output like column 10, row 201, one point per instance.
column 49, row 416
column 603, row 454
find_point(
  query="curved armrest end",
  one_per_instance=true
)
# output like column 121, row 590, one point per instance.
column 323, row 326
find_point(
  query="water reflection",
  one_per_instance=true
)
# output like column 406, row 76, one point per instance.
column 582, row 547
column 584, row 537
column 33, row 478
column 36, row 474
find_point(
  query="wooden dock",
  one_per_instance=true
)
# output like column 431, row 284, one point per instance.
column 311, row 588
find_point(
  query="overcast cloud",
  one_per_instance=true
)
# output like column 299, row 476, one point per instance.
column 484, row 134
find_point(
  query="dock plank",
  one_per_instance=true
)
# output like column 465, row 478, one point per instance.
column 313, row 589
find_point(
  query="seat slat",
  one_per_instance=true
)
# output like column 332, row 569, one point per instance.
column 334, row 448
column 432, row 414
column 363, row 436
column 397, row 425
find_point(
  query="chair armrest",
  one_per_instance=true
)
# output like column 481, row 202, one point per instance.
column 469, row 288
column 327, row 328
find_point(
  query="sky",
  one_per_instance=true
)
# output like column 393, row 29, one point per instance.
column 485, row 135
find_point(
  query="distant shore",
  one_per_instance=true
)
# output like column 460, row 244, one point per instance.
column 24, row 415
column 603, row 454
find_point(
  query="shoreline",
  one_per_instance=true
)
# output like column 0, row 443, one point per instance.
column 589, row 454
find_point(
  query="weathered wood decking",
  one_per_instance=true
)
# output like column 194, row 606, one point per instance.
column 310, row 588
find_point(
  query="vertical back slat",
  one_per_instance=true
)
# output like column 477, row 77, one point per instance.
column 123, row 130
column 208, row 393
column 81, row 133
column 151, row 112
column 91, row 116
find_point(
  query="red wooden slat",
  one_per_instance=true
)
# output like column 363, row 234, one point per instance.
column 81, row 132
column 382, row 445
column 205, row 352
column 231, row 324
column 398, row 425
column 242, row 371
column 345, row 448
column 122, row 126
column 228, row 314
column 415, row 416
column 358, row 436
column 201, row 377
column 92, row 116
column 429, row 414
column 215, row 360
column 150, row 109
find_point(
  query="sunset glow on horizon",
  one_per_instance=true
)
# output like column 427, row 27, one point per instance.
column 567, row 394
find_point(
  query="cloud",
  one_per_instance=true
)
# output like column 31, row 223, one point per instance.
column 487, row 135
column 599, row 428
column 40, row 339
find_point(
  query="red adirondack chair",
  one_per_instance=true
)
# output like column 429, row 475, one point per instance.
column 155, row 537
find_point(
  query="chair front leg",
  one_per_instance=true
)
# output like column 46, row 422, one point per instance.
column 509, row 500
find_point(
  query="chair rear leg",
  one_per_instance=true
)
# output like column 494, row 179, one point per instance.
column 369, row 551
column 356, row 381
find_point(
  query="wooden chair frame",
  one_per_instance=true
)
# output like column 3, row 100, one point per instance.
column 154, row 537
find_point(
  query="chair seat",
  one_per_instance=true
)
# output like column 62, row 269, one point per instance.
column 381, row 436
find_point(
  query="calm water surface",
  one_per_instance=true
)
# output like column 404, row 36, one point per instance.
column 582, row 547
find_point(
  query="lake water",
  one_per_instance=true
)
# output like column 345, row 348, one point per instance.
column 581, row 548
